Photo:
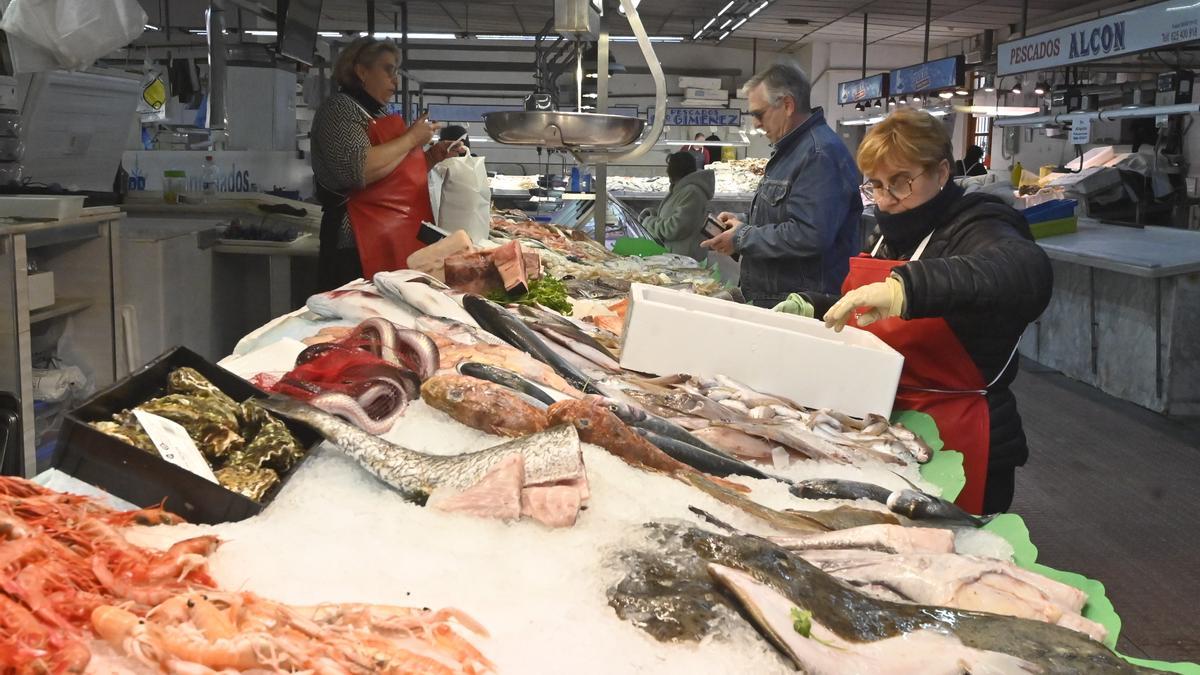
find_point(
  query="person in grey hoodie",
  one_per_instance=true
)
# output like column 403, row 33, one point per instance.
column 679, row 221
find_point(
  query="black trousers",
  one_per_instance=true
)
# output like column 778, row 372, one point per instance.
column 335, row 266
column 998, row 492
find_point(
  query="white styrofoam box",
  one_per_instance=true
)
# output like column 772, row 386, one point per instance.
column 41, row 206
column 668, row 332
column 700, row 82
column 41, row 290
column 706, row 94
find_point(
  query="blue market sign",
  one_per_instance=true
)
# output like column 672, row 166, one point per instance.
column 700, row 117
column 865, row 89
column 928, row 76
column 1151, row 27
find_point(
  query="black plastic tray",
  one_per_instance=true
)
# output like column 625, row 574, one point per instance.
column 143, row 479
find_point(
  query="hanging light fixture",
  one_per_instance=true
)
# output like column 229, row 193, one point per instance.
column 1041, row 87
column 878, row 103
column 1017, row 88
column 891, row 103
column 961, row 91
column 945, row 94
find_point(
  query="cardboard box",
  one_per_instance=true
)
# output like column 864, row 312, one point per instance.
column 144, row 479
column 706, row 94
column 669, row 332
column 41, row 290
column 700, row 82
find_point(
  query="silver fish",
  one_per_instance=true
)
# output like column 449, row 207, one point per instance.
column 550, row 456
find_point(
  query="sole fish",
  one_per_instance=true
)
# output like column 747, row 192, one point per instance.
column 552, row 456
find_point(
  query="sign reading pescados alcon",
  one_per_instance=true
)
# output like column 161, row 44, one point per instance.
column 1150, row 27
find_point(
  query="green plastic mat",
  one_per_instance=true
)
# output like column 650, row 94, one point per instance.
column 637, row 246
column 945, row 471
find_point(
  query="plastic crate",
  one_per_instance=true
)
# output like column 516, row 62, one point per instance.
column 1057, row 209
column 144, row 479
column 1053, row 228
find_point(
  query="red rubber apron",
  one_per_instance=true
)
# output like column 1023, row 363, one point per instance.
column 386, row 215
column 939, row 378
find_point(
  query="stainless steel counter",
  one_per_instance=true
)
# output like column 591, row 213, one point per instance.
column 1152, row 252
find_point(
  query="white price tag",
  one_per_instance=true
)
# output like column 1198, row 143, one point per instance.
column 1081, row 131
column 174, row 444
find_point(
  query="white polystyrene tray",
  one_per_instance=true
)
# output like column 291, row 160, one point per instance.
column 669, row 332
column 41, row 206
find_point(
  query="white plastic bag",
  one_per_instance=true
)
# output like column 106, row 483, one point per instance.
column 460, row 196
column 77, row 32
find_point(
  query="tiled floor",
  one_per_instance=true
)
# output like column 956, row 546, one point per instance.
column 1112, row 491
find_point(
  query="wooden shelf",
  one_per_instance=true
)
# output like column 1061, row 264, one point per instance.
column 61, row 307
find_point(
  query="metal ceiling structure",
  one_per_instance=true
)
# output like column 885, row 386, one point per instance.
column 786, row 24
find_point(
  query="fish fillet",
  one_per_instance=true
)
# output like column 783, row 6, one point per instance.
column 554, row 506
column 823, row 653
column 498, row 495
column 887, row 538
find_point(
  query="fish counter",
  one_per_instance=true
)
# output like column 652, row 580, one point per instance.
column 494, row 493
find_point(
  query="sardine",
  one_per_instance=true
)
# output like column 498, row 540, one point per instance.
column 550, row 456
column 507, row 378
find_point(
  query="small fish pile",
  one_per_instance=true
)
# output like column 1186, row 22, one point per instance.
column 749, row 424
column 540, row 476
column 247, row 448
column 61, row 557
column 548, row 236
column 237, row 631
column 367, row 377
column 684, row 583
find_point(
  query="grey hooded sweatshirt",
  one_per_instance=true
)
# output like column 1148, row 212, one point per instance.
column 679, row 221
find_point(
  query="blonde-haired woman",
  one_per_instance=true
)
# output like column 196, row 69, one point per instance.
column 370, row 168
column 950, row 281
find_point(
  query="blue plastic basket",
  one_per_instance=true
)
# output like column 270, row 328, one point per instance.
column 1051, row 210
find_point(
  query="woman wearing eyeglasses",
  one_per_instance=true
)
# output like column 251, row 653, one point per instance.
column 370, row 168
column 951, row 282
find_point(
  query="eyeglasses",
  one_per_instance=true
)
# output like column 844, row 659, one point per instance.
column 758, row 114
column 899, row 191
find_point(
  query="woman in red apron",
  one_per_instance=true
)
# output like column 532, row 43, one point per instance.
column 951, row 283
column 370, row 168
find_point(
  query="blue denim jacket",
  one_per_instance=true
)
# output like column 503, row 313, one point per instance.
column 803, row 223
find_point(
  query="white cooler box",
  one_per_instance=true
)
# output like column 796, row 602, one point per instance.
column 669, row 332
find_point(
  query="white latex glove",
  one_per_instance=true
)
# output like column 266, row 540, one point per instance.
column 881, row 300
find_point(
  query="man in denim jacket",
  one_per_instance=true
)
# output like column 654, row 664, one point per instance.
column 803, row 225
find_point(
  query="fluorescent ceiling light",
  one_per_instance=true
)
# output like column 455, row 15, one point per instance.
column 653, row 38
column 726, row 8
column 329, row 33
column 997, row 111
column 726, row 24
column 760, row 7
column 738, row 25
column 710, row 23
column 149, row 27
column 946, row 94
column 591, row 95
column 524, row 38
column 414, row 36
column 260, row 33
column 723, row 36
column 193, row 31
column 697, row 35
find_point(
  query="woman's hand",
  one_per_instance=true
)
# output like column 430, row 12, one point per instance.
column 421, row 132
column 881, row 300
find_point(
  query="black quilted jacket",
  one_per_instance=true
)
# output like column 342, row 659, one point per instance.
column 982, row 273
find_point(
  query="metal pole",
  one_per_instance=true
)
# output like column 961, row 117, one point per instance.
column 600, row 186
column 371, row 18
column 928, row 18
column 579, row 76
column 864, row 63
column 1024, row 18
column 405, row 92
column 216, row 73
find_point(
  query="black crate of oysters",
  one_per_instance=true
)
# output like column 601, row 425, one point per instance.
column 251, row 452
